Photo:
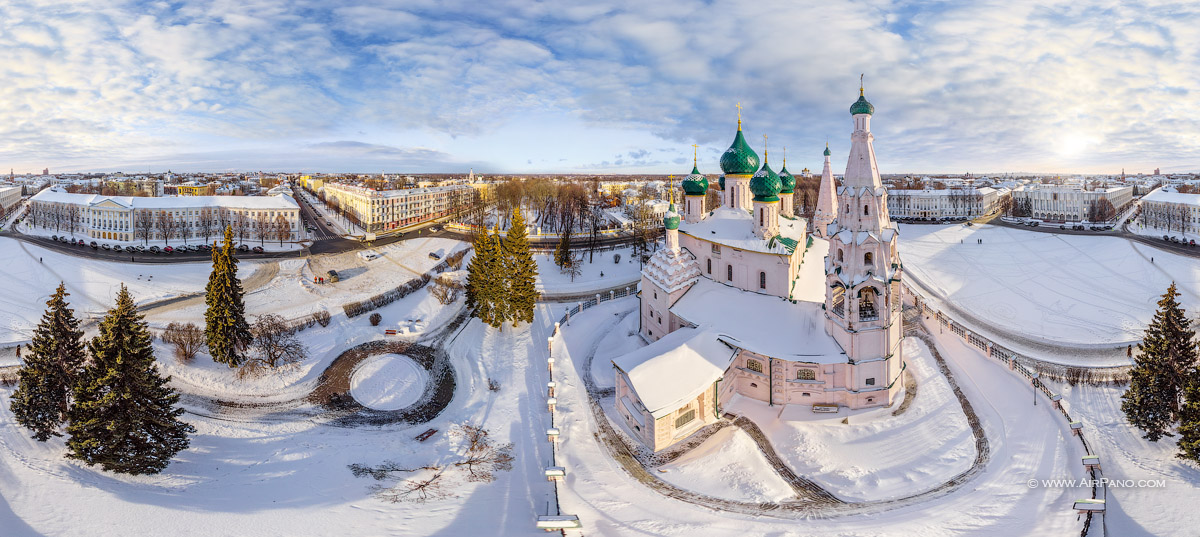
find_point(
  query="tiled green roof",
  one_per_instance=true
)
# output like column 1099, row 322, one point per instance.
column 765, row 184
column 790, row 244
column 787, row 183
column 695, row 184
column 739, row 158
column 861, row 106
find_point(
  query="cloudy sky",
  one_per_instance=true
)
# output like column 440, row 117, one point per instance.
column 575, row 87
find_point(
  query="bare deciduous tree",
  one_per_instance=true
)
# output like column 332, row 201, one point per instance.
column 186, row 338
column 482, row 458
column 143, row 225
column 167, row 225
column 275, row 345
column 206, row 223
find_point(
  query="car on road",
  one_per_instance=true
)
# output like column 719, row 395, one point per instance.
column 168, row 250
column 155, row 250
column 105, row 247
column 94, row 245
column 140, row 248
column 257, row 249
column 243, row 248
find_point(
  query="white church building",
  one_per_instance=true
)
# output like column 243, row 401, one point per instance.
column 742, row 301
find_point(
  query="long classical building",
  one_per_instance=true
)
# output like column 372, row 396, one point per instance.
column 742, row 302
column 10, row 196
column 120, row 218
column 945, row 204
column 1054, row 203
column 383, row 210
column 1170, row 212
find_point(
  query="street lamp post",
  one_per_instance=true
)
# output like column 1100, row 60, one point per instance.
column 1034, row 383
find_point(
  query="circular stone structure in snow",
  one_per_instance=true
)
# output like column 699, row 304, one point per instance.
column 388, row 382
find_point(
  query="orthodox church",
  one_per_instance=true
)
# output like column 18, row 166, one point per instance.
column 743, row 301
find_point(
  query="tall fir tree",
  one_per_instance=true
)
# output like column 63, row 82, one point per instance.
column 124, row 417
column 52, row 366
column 477, row 280
column 497, row 287
column 1189, row 419
column 520, row 272
column 1167, row 355
column 562, row 252
column 226, row 331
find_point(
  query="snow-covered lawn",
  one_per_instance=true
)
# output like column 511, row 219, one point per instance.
column 388, row 382
column 876, row 456
column 728, row 465
column 600, row 273
column 1073, row 289
column 93, row 284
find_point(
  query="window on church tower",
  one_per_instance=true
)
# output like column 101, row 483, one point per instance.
column 762, row 280
column 805, row 373
column 709, row 265
column 866, row 305
column 838, row 299
column 760, row 217
column 754, row 365
column 866, row 209
column 868, row 260
column 729, row 272
column 871, row 381
column 840, row 255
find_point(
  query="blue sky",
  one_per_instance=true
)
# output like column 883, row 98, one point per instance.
column 579, row 87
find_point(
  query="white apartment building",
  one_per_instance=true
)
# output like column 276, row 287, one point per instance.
column 1168, row 211
column 945, row 204
column 1054, row 203
column 383, row 210
column 203, row 218
column 10, row 196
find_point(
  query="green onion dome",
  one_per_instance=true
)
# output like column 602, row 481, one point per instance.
column 787, row 183
column 739, row 159
column 671, row 219
column 765, row 184
column 861, row 106
column 721, row 182
column 695, row 184
column 827, row 153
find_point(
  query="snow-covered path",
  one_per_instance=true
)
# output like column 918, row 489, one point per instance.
column 1027, row 443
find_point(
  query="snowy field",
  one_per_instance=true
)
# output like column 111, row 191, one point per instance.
column 32, row 273
column 600, row 273
column 388, row 382
column 728, row 465
column 876, row 456
column 1071, row 289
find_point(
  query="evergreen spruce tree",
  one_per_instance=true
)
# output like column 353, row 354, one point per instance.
column 53, row 363
column 497, row 288
column 1189, row 419
column 520, row 271
column 124, row 417
column 226, row 331
column 1167, row 356
column 481, row 278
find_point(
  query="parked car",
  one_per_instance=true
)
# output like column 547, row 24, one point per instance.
column 154, row 250
column 94, row 245
column 243, row 248
column 257, row 249
column 141, row 248
column 80, row 243
column 54, row 238
column 168, row 249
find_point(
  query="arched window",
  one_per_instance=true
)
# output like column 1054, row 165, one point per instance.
column 709, row 260
column 867, row 297
column 760, row 217
column 847, row 208
column 729, row 272
column 805, row 373
column 838, row 299
column 840, row 255
column 762, row 280
column 754, row 365
column 866, row 209
column 868, row 260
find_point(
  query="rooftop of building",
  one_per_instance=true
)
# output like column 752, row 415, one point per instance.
column 170, row 202
column 734, row 228
column 1170, row 195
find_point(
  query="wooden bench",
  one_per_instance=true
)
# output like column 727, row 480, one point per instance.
column 425, row 435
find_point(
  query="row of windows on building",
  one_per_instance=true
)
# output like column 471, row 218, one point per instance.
column 804, row 373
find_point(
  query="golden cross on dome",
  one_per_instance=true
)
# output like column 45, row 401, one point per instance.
column 764, row 147
column 695, row 154
column 785, row 156
column 739, row 107
column 860, row 84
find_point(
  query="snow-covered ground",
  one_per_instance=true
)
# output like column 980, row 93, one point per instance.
column 1072, row 289
column 600, row 273
column 32, row 273
column 388, row 382
column 876, row 456
column 727, row 465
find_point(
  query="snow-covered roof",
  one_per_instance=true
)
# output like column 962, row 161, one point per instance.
column 170, row 202
column 763, row 324
column 1170, row 195
column 676, row 368
column 735, row 228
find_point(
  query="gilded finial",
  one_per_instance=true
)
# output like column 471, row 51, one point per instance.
column 764, row 149
column 860, row 84
column 671, row 188
column 785, row 156
column 739, row 107
column 695, row 155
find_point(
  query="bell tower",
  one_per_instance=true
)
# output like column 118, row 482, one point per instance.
column 862, row 270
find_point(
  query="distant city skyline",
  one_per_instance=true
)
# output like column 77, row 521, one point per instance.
column 612, row 87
